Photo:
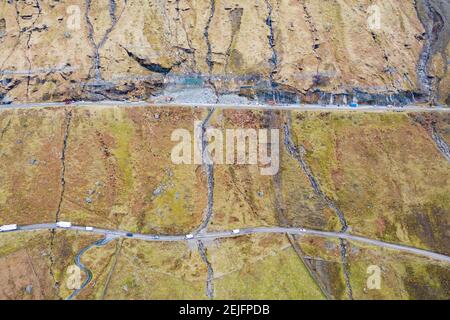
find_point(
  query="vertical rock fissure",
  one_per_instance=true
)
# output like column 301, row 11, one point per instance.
column 210, row 272
column 345, row 267
column 441, row 144
column 301, row 255
column 298, row 155
column 63, row 163
column 96, row 58
column 283, row 221
column 209, row 170
column 8, row 125
column 274, row 58
column 209, row 61
column 27, row 55
column 430, row 20
column 114, row 19
column 61, row 195
column 52, row 260
column 113, row 268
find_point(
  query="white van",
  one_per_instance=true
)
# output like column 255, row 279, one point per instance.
column 8, row 227
column 64, row 224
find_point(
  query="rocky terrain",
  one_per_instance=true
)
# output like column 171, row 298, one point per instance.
column 264, row 50
column 378, row 173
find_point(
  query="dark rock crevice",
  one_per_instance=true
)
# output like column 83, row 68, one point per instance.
column 61, row 195
column 96, row 65
column 301, row 255
column 153, row 67
column 209, row 170
column 5, row 129
column 345, row 267
column 441, row 144
column 429, row 124
column 210, row 272
column 209, row 60
column 29, row 33
column 274, row 58
column 51, row 257
column 63, row 163
column 273, row 121
column 433, row 22
column 298, row 155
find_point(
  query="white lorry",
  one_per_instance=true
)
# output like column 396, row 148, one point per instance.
column 64, row 224
column 8, row 227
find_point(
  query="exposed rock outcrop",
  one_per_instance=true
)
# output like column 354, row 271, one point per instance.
column 303, row 50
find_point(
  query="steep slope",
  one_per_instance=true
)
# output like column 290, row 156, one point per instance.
column 313, row 51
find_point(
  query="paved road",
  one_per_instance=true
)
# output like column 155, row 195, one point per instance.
column 99, row 243
column 111, row 234
column 299, row 107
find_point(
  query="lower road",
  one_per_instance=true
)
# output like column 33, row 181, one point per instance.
column 111, row 234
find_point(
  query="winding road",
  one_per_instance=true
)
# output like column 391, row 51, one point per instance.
column 80, row 265
column 112, row 234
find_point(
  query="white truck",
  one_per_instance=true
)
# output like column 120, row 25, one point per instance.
column 64, row 224
column 8, row 227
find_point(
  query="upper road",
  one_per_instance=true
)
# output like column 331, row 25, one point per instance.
column 110, row 234
column 298, row 107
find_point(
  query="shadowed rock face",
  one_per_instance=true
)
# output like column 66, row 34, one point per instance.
column 433, row 64
column 286, row 51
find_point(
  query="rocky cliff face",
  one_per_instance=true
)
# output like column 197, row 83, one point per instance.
column 284, row 50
